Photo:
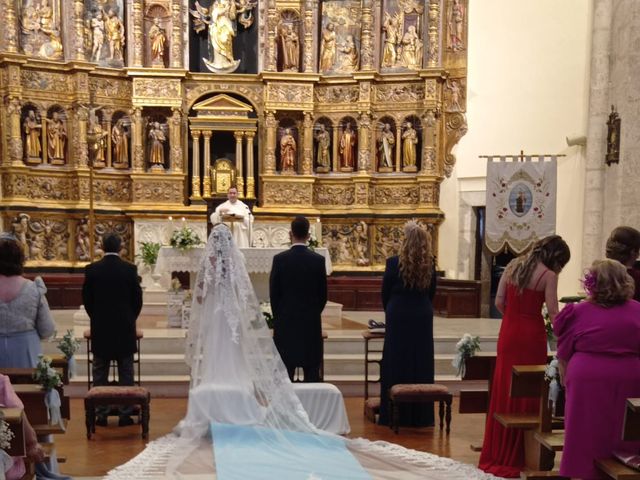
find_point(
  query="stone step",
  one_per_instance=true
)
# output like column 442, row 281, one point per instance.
column 348, row 364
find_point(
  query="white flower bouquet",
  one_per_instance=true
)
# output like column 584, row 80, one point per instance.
column 49, row 379
column 185, row 239
column 548, row 326
column 267, row 314
column 69, row 345
column 466, row 347
column 6, row 435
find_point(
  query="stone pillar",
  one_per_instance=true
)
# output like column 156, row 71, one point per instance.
column 14, row 108
column 78, row 20
column 106, row 125
column 239, row 164
column 336, row 140
column 593, row 240
column 175, row 140
column 434, row 25
column 251, row 187
column 138, row 150
column 366, row 43
column 195, row 166
column 206, row 174
column 136, row 40
column 399, row 148
column 307, row 57
column 270, row 150
column 307, row 153
column 81, row 152
column 177, row 54
column 10, row 26
column 364, row 137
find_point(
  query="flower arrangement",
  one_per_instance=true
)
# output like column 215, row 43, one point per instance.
column 313, row 243
column 185, row 239
column 45, row 374
column 68, row 344
column 149, row 253
column 267, row 314
column 548, row 326
column 466, row 348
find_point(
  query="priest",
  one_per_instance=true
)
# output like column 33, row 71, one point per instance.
column 237, row 216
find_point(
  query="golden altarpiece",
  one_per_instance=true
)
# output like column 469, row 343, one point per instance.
column 344, row 110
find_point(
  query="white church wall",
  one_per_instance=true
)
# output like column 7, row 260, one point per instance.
column 528, row 86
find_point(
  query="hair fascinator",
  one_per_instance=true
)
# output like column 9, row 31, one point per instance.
column 589, row 282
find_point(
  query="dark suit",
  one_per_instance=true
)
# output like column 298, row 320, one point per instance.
column 113, row 299
column 298, row 291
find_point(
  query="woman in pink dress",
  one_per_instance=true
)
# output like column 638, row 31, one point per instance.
column 599, row 362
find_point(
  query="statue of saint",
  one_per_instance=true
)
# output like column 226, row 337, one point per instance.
column 290, row 45
column 455, row 23
column 409, row 142
column 391, row 40
column 158, row 39
column 32, row 129
column 386, row 142
column 158, row 139
column 120, row 141
column 324, row 141
column 99, row 142
column 349, row 55
column 288, row 151
column 56, row 137
column 358, row 244
column 82, row 241
column 20, row 229
column 115, row 35
column 347, row 148
column 97, row 35
column 328, row 48
column 411, row 49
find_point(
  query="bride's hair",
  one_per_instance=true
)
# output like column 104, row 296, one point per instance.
column 416, row 258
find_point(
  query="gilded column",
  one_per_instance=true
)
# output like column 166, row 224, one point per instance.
column 177, row 55
column 270, row 151
column 239, row 164
column 138, row 150
column 195, row 166
column 307, row 57
column 272, row 25
column 206, row 174
column 14, row 108
column 336, row 160
column 78, row 20
column 364, row 134
column 137, row 33
column 434, row 25
column 251, row 187
column 307, row 153
column 106, row 125
column 81, row 148
column 398, row 148
column 366, row 44
column 10, row 26
column 175, row 140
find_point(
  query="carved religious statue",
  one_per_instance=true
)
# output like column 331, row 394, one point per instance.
column 82, row 241
column 328, row 48
column 115, row 34
column 158, row 139
column 20, row 228
column 411, row 56
column 391, row 40
column 455, row 25
column 358, row 244
column 348, row 55
column 385, row 148
column 41, row 30
column 98, row 142
column 56, row 138
column 158, row 38
column 288, row 151
column 32, row 146
column 120, row 142
column 290, row 48
column 324, row 155
column 347, row 148
column 409, row 142
column 221, row 18
column 97, row 35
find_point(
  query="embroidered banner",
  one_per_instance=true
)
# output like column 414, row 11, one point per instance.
column 521, row 201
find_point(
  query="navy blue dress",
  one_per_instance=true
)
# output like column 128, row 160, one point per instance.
column 407, row 355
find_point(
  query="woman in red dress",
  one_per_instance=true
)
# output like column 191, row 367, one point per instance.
column 624, row 245
column 528, row 281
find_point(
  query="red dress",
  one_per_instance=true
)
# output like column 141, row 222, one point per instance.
column 522, row 341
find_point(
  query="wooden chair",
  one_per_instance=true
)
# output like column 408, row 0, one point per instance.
column 114, row 368
column 420, row 393
column 371, row 404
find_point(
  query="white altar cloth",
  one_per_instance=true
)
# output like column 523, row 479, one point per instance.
column 257, row 260
column 324, row 405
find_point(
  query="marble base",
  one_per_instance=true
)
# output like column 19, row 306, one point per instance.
column 81, row 317
column 154, row 302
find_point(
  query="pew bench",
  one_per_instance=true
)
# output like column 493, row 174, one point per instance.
column 612, row 467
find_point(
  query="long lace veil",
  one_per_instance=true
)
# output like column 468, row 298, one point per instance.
column 234, row 362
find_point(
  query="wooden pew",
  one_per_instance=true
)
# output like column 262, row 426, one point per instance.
column 15, row 418
column 25, row 375
column 631, row 431
column 32, row 396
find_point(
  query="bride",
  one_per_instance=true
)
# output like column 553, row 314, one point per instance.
column 242, row 401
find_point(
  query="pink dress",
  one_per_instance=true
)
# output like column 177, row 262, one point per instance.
column 8, row 398
column 602, row 348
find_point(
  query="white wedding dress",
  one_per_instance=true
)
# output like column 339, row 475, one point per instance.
column 240, row 384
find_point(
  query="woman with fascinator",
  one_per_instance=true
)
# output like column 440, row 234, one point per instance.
column 408, row 287
column 599, row 363
column 528, row 281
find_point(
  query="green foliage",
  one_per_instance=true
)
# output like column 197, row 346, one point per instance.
column 45, row 374
column 68, row 344
column 149, row 253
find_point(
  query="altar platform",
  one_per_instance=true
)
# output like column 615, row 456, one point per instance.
column 165, row 373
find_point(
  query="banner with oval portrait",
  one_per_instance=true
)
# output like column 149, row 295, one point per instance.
column 521, row 201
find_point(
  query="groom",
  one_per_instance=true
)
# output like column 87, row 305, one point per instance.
column 298, row 291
